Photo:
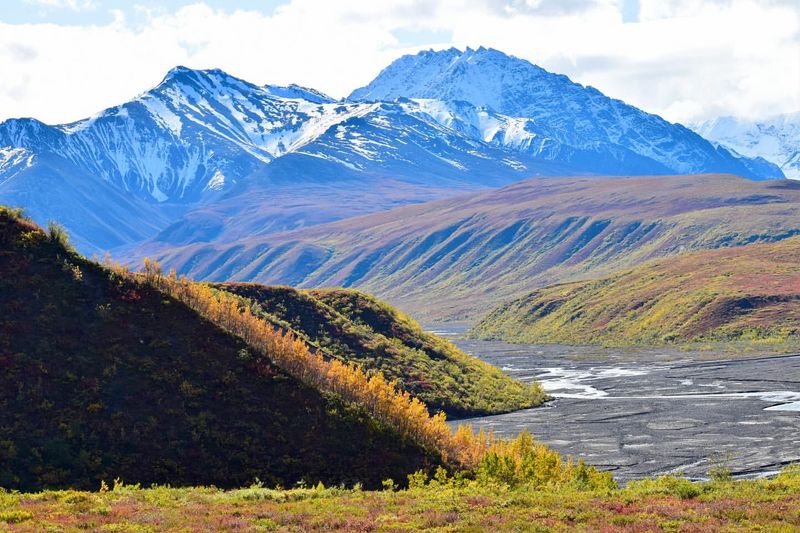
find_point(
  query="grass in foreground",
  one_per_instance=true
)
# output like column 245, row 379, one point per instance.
column 663, row 504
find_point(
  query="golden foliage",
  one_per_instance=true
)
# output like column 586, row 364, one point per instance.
column 380, row 397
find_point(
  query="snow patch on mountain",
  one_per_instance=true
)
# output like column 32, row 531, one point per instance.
column 777, row 140
column 162, row 114
column 297, row 92
column 480, row 122
column 217, row 182
column 13, row 161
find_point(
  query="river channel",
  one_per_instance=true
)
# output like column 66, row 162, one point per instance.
column 668, row 414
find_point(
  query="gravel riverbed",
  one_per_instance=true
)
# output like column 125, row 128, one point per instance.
column 665, row 413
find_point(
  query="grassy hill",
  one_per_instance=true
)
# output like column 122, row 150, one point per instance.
column 352, row 326
column 104, row 376
column 457, row 259
column 747, row 293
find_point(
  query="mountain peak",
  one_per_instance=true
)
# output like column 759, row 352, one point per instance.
column 548, row 106
column 180, row 73
column 185, row 76
column 177, row 70
column 478, row 75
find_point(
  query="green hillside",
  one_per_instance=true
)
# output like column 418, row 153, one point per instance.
column 104, row 376
column 351, row 326
column 457, row 259
column 747, row 294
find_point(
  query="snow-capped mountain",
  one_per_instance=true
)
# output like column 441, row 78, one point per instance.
column 197, row 137
column 777, row 140
column 194, row 132
column 378, row 158
column 516, row 103
column 205, row 155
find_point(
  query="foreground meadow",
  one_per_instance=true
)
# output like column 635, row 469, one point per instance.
column 663, row 504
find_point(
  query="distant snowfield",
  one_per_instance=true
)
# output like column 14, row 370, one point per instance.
column 777, row 140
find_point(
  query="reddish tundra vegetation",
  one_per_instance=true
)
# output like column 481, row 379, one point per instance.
column 439, row 504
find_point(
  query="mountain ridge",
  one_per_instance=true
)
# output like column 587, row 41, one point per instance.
column 208, row 156
column 515, row 87
column 454, row 259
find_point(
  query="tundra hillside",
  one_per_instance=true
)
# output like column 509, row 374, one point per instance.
column 352, row 326
column 457, row 259
column 741, row 295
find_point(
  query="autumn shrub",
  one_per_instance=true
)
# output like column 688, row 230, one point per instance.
column 720, row 471
column 519, row 463
column 8, row 499
column 523, row 461
column 13, row 213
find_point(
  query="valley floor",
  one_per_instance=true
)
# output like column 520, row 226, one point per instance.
column 663, row 413
column 667, row 504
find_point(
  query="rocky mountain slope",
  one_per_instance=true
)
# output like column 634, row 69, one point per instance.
column 747, row 293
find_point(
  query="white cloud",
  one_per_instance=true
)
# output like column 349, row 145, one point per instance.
column 684, row 59
column 75, row 5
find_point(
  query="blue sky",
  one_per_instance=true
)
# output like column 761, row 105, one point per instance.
column 100, row 12
column 138, row 12
column 686, row 60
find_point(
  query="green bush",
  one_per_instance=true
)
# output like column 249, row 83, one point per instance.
column 58, row 235
column 665, row 485
column 15, row 517
column 13, row 213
